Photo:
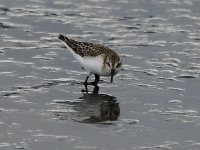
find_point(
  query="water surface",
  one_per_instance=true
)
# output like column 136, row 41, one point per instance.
column 157, row 91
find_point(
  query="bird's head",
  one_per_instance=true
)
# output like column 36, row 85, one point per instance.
column 113, row 63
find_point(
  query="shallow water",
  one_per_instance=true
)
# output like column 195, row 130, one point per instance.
column 157, row 91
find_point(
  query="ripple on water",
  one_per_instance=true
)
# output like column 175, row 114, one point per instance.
column 9, row 93
column 66, row 138
column 130, row 121
column 159, row 43
column 175, row 101
column 3, row 8
column 182, row 112
column 5, row 144
column 5, row 25
column 8, row 110
column 176, row 89
column 187, row 76
column 42, row 58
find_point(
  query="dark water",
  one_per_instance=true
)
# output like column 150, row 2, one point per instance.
column 157, row 92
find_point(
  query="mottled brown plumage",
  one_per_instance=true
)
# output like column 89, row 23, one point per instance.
column 88, row 49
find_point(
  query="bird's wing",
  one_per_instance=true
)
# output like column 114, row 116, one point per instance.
column 85, row 48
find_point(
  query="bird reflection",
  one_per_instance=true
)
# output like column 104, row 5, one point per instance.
column 107, row 110
column 89, row 108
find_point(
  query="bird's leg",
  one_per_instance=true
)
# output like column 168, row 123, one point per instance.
column 96, row 80
column 94, row 83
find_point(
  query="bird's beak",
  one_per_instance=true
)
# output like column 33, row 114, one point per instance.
column 112, row 74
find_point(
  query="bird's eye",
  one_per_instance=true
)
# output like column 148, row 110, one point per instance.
column 108, row 64
column 118, row 65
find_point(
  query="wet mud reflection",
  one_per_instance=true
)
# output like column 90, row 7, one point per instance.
column 109, row 109
column 92, row 107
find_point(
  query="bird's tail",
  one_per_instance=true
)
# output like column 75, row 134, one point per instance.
column 68, row 42
column 62, row 38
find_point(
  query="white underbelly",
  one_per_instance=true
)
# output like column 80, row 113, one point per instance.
column 91, row 64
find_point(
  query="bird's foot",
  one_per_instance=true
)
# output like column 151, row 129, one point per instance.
column 84, row 91
column 95, row 90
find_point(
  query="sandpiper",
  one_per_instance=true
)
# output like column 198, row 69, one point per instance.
column 96, row 59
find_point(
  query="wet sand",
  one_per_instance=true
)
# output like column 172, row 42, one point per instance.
column 156, row 93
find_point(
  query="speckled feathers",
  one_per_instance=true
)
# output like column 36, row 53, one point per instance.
column 87, row 49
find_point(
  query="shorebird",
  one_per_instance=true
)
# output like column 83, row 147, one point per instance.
column 96, row 59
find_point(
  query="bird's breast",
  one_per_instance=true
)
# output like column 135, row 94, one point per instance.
column 92, row 64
